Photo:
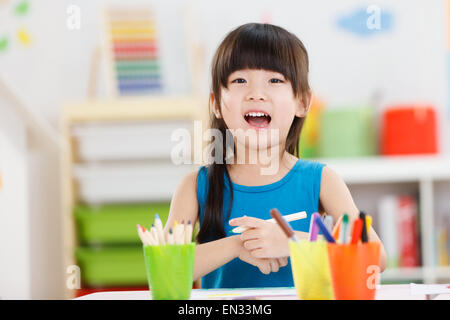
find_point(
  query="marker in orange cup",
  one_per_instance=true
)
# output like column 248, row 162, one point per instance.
column 368, row 223
column 337, row 230
column 357, row 229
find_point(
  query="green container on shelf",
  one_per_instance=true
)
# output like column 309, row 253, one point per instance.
column 111, row 266
column 347, row 132
column 116, row 224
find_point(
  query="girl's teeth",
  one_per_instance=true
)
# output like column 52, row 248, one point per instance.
column 256, row 114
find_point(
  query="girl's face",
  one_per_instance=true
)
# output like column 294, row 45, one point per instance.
column 259, row 101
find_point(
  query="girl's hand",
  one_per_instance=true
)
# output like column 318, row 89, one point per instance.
column 265, row 265
column 263, row 239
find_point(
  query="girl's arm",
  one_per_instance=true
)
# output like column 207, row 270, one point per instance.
column 337, row 200
column 211, row 255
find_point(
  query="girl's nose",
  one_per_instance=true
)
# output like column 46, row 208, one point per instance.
column 256, row 94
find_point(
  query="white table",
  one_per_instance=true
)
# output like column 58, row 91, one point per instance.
column 384, row 292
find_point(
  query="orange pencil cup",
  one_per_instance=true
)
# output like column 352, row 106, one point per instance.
column 354, row 270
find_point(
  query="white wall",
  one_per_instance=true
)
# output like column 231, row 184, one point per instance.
column 55, row 68
column 407, row 64
column 15, row 258
column 45, row 220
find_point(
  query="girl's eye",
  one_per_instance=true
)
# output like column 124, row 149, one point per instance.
column 275, row 80
column 238, row 80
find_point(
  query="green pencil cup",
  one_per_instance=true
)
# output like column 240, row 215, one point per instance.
column 311, row 270
column 170, row 270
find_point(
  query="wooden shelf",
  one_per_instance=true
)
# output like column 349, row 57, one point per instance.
column 419, row 273
column 123, row 110
column 135, row 109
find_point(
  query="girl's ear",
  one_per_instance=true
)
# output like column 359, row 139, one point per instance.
column 215, row 109
column 304, row 105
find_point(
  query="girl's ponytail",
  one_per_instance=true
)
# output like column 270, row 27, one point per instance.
column 212, row 226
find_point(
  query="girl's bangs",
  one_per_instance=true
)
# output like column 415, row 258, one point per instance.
column 259, row 50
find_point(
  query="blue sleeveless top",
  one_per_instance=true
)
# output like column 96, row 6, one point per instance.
column 297, row 191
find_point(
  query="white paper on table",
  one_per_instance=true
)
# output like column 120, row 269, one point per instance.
column 244, row 293
column 429, row 288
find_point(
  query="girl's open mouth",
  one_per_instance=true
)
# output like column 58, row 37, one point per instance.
column 258, row 119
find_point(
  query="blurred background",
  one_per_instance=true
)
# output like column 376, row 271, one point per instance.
column 91, row 92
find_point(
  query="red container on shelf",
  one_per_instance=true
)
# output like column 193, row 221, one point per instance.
column 409, row 129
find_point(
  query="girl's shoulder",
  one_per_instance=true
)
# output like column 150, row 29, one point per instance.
column 184, row 205
column 189, row 181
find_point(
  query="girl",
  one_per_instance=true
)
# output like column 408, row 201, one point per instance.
column 259, row 85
